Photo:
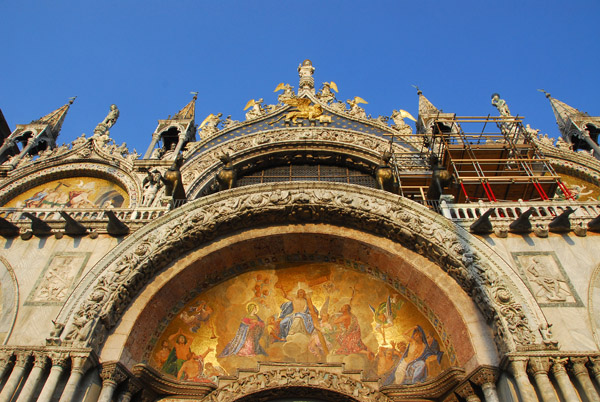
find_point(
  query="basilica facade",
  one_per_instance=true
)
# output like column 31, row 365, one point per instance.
column 310, row 252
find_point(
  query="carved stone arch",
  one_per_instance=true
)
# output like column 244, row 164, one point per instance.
column 104, row 293
column 9, row 300
column 594, row 304
column 299, row 382
column 35, row 176
column 200, row 169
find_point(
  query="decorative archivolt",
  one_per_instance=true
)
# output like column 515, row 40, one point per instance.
column 200, row 169
column 66, row 168
column 104, row 294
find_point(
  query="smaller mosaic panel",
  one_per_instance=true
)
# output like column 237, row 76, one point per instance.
column 58, row 278
column 546, row 278
column 73, row 192
column 580, row 189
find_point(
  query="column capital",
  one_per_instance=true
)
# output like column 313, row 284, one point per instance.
column 466, row 391
column 485, row 375
column 21, row 358
column 59, row 359
column 80, row 362
column 538, row 365
column 595, row 365
column 518, row 365
column 577, row 365
column 558, row 364
column 113, row 372
column 40, row 359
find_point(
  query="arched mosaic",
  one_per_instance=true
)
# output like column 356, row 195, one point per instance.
column 311, row 313
column 72, row 192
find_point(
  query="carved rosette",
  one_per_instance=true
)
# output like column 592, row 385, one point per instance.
column 295, row 377
column 133, row 264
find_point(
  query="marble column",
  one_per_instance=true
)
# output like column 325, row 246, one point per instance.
column 155, row 138
column 583, row 378
column 130, row 390
column 517, row 367
column 5, row 363
column 466, row 391
column 538, row 368
column 112, row 374
column 22, row 358
column 181, row 140
column 59, row 362
column 78, row 369
column 39, row 364
column 486, row 377
column 562, row 379
column 594, row 366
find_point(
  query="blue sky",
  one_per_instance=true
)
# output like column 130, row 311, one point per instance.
column 147, row 56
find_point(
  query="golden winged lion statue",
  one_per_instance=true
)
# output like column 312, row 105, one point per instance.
column 305, row 110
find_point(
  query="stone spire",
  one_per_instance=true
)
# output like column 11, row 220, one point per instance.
column 175, row 132
column 429, row 114
column 576, row 127
column 307, row 81
column 34, row 137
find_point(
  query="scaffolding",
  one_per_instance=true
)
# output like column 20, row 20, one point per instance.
column 492, row 158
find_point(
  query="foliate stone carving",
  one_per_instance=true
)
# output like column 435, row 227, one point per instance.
column 595, row 365
column 40, row 359
column 113, row 372
column 538, row 365
column 466, row 391
column 485, row 375
column 558, row 364
column 295, row 376
column 405, row 222
column 578, row 365
column 59, row 359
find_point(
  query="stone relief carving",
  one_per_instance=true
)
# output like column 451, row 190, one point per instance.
column 295, row 376
column 55, row 282
column 546, row 278
column 428, row 235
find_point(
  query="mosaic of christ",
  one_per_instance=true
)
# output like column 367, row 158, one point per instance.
column 312, row 313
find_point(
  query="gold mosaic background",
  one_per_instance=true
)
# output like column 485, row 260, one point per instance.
column 287, row 315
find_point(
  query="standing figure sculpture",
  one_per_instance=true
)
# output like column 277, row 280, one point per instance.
column 151, row 185
column 500, row 104
column 108, row 122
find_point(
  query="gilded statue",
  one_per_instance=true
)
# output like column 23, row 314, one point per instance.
column 326, row 94
column 210, row 124
column 227, row 175
column 384, row 174
column 173, row 182
column 305, row 110
column 356, row 110
column 257, row 109
column 288, row 92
